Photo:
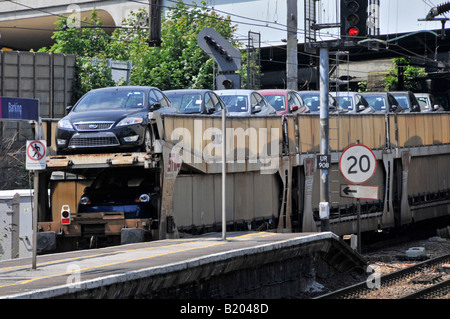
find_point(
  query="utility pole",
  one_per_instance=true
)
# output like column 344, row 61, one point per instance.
column 154, row 21
column 292, row 61
column 324, row 205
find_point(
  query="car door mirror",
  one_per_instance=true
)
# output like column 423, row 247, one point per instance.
column 415, row 108
column 256, row 109
column 154, row 106
column 69, row 108
column 435, row 107
column 210, row 109
column 294, row 108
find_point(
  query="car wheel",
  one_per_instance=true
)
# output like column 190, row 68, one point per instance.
column 147, row 145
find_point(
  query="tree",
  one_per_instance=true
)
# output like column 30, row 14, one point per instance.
column 85, row 43
column 177, row 63
column 403, row 70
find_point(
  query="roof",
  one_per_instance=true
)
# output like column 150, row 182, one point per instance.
column 235, row 92
column 278, row 91
column 181, row 91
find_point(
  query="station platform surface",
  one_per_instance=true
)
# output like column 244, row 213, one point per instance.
column 58, row 274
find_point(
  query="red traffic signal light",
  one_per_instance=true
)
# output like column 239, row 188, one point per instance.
column 353, row 19
column 353, row 32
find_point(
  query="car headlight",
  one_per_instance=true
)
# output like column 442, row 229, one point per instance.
column 130, row 121
column 65, row 124
column 144, row 198
column 84, row 200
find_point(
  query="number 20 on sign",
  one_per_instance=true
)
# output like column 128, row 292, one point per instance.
column 357, row 163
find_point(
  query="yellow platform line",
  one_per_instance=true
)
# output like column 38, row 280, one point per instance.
column 240, row 237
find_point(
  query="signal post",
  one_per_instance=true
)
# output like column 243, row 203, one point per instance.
column 354, row 16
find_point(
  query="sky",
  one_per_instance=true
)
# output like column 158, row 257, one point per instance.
column 269, row 17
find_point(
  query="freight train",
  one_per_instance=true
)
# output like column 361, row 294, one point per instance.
column 272, row 179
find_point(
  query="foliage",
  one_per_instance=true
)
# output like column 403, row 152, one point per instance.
column 85, row 43
column 362, row 86
column 92, row 74
column 411, row 75
column 177, row 63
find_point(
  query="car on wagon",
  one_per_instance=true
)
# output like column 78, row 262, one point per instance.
column 383, row 102
column 128, row 190
column 195, row 101
column 428, row 102
column 354, row 102
column 111, row 119
column 312, row 101
column 407, row 100
column 243, row 102
column 285, row 101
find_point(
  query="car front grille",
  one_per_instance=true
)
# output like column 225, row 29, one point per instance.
column 93, row 140
column 93, row 126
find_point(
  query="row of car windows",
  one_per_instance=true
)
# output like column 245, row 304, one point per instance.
column 117, row 116
column 263, row 102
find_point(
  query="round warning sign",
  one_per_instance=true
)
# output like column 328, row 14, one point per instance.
column 36, row 154
column 357, row 163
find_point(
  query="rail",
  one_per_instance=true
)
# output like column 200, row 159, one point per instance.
column 361, row 289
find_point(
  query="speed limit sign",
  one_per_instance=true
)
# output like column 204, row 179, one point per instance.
column 357, row 164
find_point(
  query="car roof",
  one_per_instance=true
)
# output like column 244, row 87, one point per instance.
column 344, row 93
column 375, row 93
column 187, row 90
column 423, row 94
column 123, row 88
column 400, row 92
column 235, row 92
column 276, row 91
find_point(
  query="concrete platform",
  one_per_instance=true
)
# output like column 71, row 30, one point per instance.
column 162, row 267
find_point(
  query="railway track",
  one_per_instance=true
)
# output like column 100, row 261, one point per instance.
column 439, row 290
column 427, row 279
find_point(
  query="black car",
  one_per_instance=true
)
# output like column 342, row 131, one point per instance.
column 195, row 101
column 114, row 118
column 131, row 190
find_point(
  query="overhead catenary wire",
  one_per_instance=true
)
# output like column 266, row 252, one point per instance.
column 266, row 24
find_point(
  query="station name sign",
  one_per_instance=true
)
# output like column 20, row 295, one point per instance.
column 13, row 108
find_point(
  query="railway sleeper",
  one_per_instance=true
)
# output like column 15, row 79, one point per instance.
column 426, row 279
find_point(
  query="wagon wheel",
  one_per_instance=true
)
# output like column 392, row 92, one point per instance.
column 149, row 140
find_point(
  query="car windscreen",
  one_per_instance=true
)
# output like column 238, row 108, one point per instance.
column 423, row 102
column 235, row 103
column 277, row 101
column 124, row 178
column 403, row 101
column 378, row 102
column 345, row 102
column 111, row 100
column 186, row 103
column 312, row 101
